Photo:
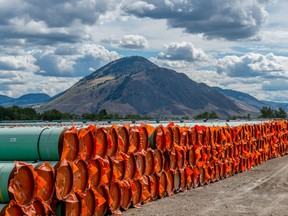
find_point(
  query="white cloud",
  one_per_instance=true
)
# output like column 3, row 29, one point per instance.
column 72, row 61
column 139, row 7
column 253, row 65
column 130, row 41
column 7, row 74
column 185, row 51
column 133, row 42
column 20, row 62
column 182, row 55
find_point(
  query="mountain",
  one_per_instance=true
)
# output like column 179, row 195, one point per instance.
column 24, row 100
column 243, row 100
column 246, row 101
column 135, row 85
column 276, row 105
column 5, row 99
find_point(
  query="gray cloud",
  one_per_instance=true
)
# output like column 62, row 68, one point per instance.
column 275, row 85
column 229, row 19
column 55, row 13
column 7, row 85
column 49, row 21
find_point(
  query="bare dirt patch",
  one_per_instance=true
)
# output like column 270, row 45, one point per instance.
column 263, row 190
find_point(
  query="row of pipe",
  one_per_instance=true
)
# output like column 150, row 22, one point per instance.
column 109, row 169
column 31, row 143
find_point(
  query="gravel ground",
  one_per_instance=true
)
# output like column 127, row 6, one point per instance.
column 263, row 190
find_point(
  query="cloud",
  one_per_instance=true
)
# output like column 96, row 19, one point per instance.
column 229, row 19
column 72, row 61
column 183, row 51
column 181, row 55
column 128, row 42
column 275, row 85
column 50, row 21
column 253, row 65
column 15, row 78
column 133, row 42
column 56, row 13
column 7, row 74
column 35, row 83
column 20, row 62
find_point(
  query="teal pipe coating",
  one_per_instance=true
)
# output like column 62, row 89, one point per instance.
column 31, row 144
column 51, row 144
column 19, row 143
column 5, row 173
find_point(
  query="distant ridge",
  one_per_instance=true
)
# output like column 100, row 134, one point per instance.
column 134, row 85
column 247, row 101
column 24, row 100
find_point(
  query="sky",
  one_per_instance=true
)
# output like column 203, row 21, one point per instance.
column 48, row 45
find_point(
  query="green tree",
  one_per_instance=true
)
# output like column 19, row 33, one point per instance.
column 185, row 118
column 50, row 115
column 207, row 115
column 267, row 112
column 29, row 113
column 90, row 116
column 2, row 113
column 281, row 113
column 213, row 114
column 203, row 115
column 102, row 114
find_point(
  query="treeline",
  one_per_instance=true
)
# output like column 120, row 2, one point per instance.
column 102, row 114
column 268, row 112
column 17, row 113
column 28, row 113
column 207, row 115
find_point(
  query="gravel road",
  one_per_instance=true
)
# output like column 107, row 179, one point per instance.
column 263, row 190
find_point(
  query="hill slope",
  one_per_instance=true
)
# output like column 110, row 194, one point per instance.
column 248, row 102
column 136, row 85
column 24, row 100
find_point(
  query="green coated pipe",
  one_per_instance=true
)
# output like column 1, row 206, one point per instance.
column 51, row 144
column 5, row 174
column 19, row 143
column 60, row 208
column 12, row 209
column 2, row 209
column 152, row 139
column 31, row 143
column 2, row 206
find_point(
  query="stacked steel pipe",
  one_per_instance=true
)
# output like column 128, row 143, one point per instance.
column 106, row 170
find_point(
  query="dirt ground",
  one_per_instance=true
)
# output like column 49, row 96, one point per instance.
column 263, row 190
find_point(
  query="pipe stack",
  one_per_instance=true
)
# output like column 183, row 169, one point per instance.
column 104, row 170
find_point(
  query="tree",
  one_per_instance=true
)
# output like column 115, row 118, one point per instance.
column 102, row 114
column 207, row 115
column 267, row 112
column 50, row 115
column 29, row 113
column 203, row 115
column 281, row 113
column 213, row 114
